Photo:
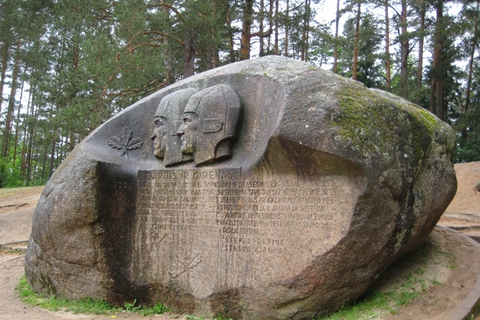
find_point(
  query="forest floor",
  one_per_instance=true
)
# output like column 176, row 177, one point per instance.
column 440, row 299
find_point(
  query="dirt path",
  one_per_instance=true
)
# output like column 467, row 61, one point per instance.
column 16, row 210
column 437, row 302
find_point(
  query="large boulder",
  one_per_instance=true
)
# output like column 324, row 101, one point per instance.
column 265, row 189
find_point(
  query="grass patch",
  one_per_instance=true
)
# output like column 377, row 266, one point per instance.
column 82, row 306
column 393, row 291
column 190, row 317
column 375, row 304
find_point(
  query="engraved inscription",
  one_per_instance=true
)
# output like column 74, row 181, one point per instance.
column 236, row 222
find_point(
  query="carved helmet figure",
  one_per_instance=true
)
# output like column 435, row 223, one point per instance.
column 168, row 118
column 210, row 124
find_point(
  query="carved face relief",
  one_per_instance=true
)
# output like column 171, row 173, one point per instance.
column 168, row 118
column 188, row 132
column 210, row 122
column 159, row 137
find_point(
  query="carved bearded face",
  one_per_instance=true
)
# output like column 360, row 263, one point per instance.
column 188, row 132
column 159, row 137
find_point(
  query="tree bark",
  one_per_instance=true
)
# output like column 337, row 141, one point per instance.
column 436, row 95
column 17, row 121
column 26, row 134
column 388, row 80
column 5, row 58
column 52, row 155
column 335, row 44
column 305, row 34
column 246, row 30
column 404, row 48
column 11, row 103
column 45, row 153
column 170, row 75
column 270, row 25
column 189, row 54
column 421, row 40
column 357, row 43
column 287, row 18
column 231, row 48
column 261, row 17
column 471, row 61
column 277, row 27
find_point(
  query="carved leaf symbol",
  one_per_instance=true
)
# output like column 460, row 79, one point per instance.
column 135, row 144
column 117, row 143
column 126, row 134
column 125, row 142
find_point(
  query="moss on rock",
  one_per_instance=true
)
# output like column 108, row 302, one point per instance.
column 374, row 122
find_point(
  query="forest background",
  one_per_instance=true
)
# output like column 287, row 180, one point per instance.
column 66, row 66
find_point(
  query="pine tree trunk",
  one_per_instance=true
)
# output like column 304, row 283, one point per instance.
column 270, row 23
column 246, row 30
column 189, row 54
column 231, row 48
column 388, row 82
column 52, row 155
column 5, row 58
column 439, row 92
column 215, row 57
column 11, row 103
column 170, row 76
column 305, row 34
column 26, row 134
column 17, row 121
column 287, row 22
column 277, row 27
column 471, row 61
column 261, row 28
column 31, row 139
column 28, row 160
column 335, row 45
column 420, row 52
column 436, row 95
column 45, row 154
column 357, row 43
column 404, row 51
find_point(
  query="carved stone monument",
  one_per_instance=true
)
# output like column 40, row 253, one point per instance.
column 265, row 189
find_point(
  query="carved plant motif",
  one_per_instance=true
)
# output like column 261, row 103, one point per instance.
column 125, row 142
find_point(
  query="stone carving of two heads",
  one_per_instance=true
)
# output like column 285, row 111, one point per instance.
column 199, row 126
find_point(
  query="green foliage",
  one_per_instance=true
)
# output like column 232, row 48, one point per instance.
column 401, row 290
column 87, row 306
column 81, row 62
column 369, row 65
column 468, row 152
column 10, row 176
column 83, row 306
column 190, row 317
column 376, row 303
column 467, row 125
column 131, row 306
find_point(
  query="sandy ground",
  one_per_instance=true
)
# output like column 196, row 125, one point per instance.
column 463, row 213
column 467, row 198
column 446, row 287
